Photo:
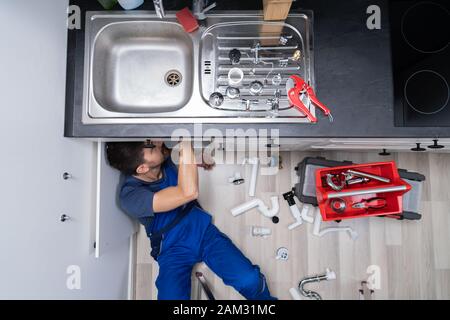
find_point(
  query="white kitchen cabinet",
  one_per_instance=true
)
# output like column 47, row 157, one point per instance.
column 112, row 225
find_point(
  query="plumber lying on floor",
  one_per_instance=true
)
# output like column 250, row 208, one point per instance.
column 163, row 198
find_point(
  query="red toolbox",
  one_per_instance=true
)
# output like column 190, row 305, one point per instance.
column 363, row 190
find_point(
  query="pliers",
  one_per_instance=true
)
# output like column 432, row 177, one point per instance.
column 297, row 88
column 372, row 203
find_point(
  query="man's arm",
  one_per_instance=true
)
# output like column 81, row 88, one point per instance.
column 187, row 188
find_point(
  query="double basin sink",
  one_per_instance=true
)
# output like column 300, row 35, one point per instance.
column 142, row 69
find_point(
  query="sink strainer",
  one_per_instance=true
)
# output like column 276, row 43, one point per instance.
column 173, row 78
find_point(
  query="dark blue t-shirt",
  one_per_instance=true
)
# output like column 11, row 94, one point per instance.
column 136, row 195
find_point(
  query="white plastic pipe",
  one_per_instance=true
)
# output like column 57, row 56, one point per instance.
column 252, row 186
column 297, row 216
column 300, row 216
column 305, row 210
column 320, row 233
column 261, row 232
column 258, row 204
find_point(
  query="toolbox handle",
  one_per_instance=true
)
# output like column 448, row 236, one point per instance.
column 334, row 195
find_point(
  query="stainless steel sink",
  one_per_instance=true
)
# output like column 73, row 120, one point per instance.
column 141, row 69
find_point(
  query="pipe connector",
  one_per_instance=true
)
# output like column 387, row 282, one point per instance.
column 330, row 274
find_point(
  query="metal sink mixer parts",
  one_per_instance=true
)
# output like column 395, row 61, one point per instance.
column 297, row 88
column 350, row 177
column 250, row 61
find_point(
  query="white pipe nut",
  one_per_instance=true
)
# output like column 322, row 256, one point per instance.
column 331, row 275
column 261, row 232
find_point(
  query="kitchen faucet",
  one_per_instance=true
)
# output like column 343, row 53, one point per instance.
column 159, row 8
column 199, row 8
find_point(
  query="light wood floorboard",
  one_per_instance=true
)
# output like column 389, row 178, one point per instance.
column 413, row 256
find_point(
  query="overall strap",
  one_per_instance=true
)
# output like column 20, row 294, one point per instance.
column 187, row 208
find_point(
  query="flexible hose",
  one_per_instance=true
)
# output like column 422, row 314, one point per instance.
column 329, row 275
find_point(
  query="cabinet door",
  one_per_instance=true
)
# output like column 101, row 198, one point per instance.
column 113, row 226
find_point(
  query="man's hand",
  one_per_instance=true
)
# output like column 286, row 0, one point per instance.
column 208, row 162
column 206, row 166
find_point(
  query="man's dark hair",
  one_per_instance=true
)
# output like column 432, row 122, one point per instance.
column 125, row 156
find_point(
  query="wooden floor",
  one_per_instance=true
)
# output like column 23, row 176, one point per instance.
column 413, row 256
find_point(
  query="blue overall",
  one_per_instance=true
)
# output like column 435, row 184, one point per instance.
column 193, row 239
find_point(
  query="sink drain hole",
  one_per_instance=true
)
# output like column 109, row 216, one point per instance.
column 173, row 78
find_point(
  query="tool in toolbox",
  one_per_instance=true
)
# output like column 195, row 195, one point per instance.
column 372, row 203
column 338, row 205
column 337, row 182
column 359, row 174
column 334, row 195
column 297, row 89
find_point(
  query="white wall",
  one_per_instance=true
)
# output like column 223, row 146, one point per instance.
column 35, row 247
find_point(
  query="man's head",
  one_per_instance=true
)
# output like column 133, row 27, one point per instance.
column 135, row 158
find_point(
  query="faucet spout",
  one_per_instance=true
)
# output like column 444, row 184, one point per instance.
column 200, row 7
column 159, row 8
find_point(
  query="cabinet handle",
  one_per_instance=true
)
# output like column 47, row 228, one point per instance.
column 435, row 145
column 418, row 148
column 66, row 175
column 64, row 218
column 384, row 153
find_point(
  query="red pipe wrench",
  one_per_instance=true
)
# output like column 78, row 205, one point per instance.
column 296, row 89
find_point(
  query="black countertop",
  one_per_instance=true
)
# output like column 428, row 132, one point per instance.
column 352, row 67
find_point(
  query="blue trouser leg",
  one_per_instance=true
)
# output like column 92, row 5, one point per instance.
column 174, row 278
column 179, row 254
column 228, row 262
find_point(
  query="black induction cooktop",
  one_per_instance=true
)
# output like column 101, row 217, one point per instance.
column 420, row 35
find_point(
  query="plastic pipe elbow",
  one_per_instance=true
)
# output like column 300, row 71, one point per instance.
column 275, row 207
column 258, row 204
column 297, row 216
